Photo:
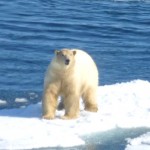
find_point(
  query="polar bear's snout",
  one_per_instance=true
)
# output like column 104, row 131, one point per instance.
column 67, row 61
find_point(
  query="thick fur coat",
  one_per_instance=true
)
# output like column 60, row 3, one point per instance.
column 71, row 74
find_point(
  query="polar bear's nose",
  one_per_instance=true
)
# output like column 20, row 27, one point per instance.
column 67, row 61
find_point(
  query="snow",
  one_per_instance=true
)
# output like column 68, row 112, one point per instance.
column 139, row 143
column 124, row 105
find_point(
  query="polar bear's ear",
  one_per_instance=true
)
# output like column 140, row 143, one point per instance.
column 74, row 52
column 57, row 52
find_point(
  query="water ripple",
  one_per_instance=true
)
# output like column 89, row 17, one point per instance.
column 115, row 33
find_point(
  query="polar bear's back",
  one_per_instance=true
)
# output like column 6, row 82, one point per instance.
column 86, row 67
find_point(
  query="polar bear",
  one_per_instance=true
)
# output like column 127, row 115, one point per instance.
column 71, row 74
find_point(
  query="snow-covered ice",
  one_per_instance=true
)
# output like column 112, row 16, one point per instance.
column 3, row 102
column 139, row 143
column 21, row 100
column 124, row 105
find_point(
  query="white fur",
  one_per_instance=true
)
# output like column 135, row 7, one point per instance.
column 78, row 79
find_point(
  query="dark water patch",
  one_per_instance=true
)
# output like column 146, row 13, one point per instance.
column 17, row 100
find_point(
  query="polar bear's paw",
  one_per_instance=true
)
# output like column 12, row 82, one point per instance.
column 48, row 117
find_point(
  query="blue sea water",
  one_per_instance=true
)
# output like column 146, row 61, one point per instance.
column 116, row 33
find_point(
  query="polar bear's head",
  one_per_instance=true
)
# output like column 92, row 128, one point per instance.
column 65, row 58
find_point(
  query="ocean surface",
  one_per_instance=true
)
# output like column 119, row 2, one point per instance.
column 116, row 33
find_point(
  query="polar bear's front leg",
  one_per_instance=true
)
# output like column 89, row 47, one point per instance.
column 71, row 105
column 49, row 103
